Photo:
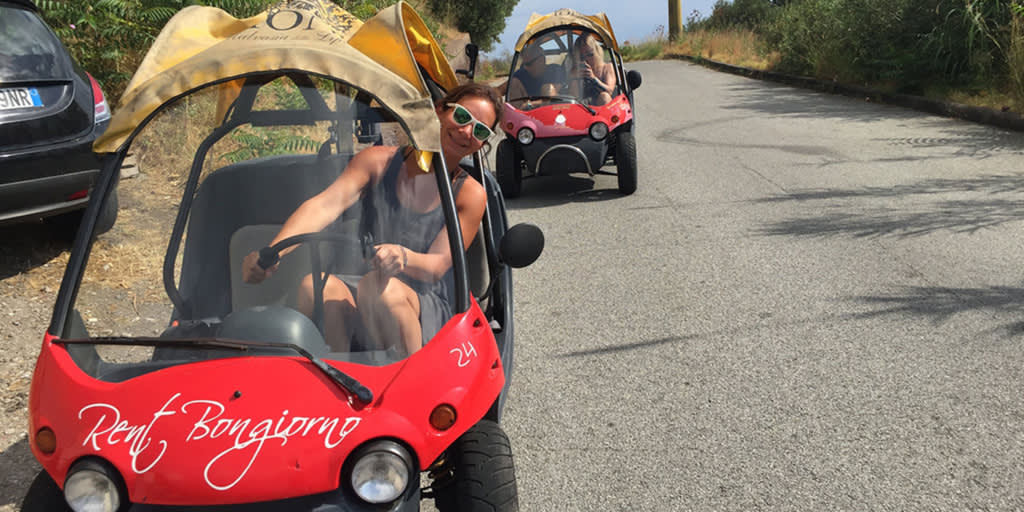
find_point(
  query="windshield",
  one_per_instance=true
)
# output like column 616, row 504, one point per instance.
column 199, row 200
column 552, row 68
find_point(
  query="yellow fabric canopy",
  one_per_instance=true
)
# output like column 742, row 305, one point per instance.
column 597, row 23
column 205, row 45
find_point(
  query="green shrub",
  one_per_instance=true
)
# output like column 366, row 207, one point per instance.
column 734, row 14
column 908, row 43
column 1015, row 55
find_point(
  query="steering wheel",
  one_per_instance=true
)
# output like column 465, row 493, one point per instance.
column 271, row 255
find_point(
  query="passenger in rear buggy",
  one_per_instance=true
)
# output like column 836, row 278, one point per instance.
column 592, row 78
column 406, row 294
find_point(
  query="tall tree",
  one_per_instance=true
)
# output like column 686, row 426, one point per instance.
column 484, row 20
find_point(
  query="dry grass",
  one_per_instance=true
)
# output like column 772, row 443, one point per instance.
column 736, row 47
column 744, row 48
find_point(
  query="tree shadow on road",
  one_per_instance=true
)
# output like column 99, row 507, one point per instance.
column 783, row 100
column 543, row 191
column 19, row 468
column 994, row 201
column 630, row 346
column 27, row 246
column 773, row 99
column 941, row 303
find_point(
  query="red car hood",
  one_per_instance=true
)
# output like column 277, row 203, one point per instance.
column 566, row 119
column 248, row 429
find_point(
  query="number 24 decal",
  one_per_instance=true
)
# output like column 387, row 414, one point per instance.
column 465, row 354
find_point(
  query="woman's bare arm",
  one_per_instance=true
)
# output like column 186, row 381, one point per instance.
column 470, row 204
column 317, row 212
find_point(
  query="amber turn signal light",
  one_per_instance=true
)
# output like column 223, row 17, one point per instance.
column 46, row 440
column 442, row 417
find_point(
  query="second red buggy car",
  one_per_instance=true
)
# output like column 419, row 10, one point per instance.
column 569, row 103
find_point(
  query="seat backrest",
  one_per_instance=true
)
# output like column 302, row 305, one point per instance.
column 259, row 192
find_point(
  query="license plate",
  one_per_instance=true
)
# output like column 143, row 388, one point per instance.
column 21, row 97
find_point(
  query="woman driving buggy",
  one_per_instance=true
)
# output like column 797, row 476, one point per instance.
column 405, row 295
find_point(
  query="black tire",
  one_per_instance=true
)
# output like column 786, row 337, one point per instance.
column 481, row 476
column 108, row 216
column 44, row 496
column 510, row 172
column 625, row 161
column 67, row 223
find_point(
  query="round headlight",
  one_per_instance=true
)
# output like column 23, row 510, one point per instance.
column 525, row 135
column 598, row 130
column 90, row 490
column 381, row 475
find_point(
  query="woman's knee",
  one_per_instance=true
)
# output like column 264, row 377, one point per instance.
column 392, row 293
column 334, row 289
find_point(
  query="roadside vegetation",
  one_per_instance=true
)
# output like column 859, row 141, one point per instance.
column 109, row 38
column 967, row 51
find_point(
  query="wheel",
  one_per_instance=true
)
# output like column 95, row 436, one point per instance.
column 108, row 216
column 67, row 223
column 481, row 476
column 510, row 172
column 44, row 496
column 625, row 160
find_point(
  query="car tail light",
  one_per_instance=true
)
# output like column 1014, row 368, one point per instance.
column 102, row 110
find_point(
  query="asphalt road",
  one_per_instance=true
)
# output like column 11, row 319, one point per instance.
column 811, row 303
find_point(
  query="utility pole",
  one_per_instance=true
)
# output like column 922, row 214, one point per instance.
column 675, row 20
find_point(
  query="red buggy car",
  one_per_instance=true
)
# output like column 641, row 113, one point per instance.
column 569, row 103
column 177, row 385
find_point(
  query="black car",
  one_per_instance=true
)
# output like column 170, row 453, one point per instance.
column 51, row 111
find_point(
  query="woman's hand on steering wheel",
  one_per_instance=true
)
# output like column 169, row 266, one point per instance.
column 252, row 272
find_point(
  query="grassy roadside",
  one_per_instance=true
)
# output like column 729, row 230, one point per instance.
column 744, row 48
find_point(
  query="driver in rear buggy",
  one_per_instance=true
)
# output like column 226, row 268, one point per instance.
column 406, row 294
column 535, row 77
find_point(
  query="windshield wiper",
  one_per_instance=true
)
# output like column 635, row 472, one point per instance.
column 347, row 382
column 584, row 105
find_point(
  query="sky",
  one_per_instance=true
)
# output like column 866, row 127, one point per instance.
column 632, row 20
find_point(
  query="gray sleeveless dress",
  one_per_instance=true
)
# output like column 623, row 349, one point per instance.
column 390, row 222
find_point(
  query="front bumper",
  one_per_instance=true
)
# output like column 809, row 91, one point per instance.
column 337, row 500
column 563, row 155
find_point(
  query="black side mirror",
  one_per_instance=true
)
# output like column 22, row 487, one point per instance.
column 634, row 79
column 472, row 51
column 521, row 245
